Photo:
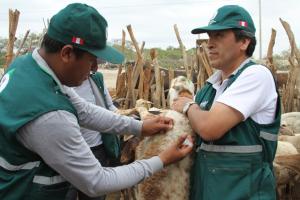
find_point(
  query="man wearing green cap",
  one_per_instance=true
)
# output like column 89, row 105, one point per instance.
column 236, row 115
column 41, row 147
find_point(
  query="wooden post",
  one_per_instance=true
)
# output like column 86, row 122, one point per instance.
column 130, row 99
column 22, row 43
column 171, row 75
column 269, row 62
column 147, row 79
column 204, row 68
column 153, row 93
column 184, row 56
column 205, row 59
column 157, row 97
column 139, row 62
column 13, row 24
column 121, row 86
column 123, row 40
column 163, row 98
column 141, row 75
column 142, row 48
column 118, row 85
column 294, row 59
column 138, row 52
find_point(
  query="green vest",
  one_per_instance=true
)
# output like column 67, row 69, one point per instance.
column 111, row 142
column 29, row 92
column 239, row 164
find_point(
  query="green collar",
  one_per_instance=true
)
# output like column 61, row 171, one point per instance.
column 217, row 75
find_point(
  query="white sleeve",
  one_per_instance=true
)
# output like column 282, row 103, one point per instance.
column 100, row 119
column 253, row 94
column 56, row 137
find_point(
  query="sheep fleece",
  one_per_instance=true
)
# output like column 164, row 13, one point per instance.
column 172, row 183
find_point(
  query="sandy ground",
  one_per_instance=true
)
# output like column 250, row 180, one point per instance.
column 110, row 77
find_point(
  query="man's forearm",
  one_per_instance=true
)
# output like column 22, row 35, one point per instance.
column 102, row 120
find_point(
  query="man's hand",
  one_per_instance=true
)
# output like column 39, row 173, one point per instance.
column 177, row 151
column 155, row 125
column 179, row 102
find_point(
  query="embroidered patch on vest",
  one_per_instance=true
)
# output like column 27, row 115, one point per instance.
column 5, row 79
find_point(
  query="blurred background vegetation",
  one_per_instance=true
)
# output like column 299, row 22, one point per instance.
column 169, row 57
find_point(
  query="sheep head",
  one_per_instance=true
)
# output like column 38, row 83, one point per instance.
column 181, row 86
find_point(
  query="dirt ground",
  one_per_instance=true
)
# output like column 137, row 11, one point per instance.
column 110, row 77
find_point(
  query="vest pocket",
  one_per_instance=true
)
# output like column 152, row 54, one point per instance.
column 56, row 191
column 228, row 182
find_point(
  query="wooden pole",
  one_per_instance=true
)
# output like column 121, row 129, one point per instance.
column 163, row 98
column 294, row 59
column 157, row 97
column 204, row 68
column 130, row 98
column 205, row 59
column 13, row 24
column 123, row 41
column 171, row 75
column 118, row 85
column 139, row 61
column 142, row 48
column 141, row 75
column 270, row 62
column 22, row 43
column 184, row 56
column 147, row 79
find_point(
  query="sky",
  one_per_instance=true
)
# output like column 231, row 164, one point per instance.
column 153, row 21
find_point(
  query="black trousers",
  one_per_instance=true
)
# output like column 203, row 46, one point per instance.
column 73, row 193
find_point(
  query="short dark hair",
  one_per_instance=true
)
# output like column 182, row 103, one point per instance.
column 53, row 46
column 241, row 34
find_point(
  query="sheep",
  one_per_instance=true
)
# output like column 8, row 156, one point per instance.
column 292, row 121
column 172, row 183
column 294, row 140
column 181, row 86
column 284, row 130
column 285, row 175
column 285, row 148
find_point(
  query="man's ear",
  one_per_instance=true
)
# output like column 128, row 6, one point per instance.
column 66, row 53
column 245, row 43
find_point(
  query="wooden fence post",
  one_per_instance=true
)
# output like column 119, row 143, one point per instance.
column 294, row 59
column 13, row 24
column 157, row 96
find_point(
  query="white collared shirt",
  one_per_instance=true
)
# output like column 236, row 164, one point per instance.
column 253, row 93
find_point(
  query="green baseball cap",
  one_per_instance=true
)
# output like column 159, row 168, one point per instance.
column 229, row 17
column 82, row 26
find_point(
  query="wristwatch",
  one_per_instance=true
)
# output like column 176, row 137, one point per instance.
column 187, row 106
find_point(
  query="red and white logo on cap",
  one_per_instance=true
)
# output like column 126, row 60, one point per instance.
column 77, row 40
column 243, row 23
